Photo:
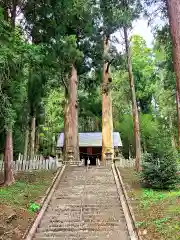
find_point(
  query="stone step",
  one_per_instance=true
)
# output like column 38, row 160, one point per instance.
column 76, row 221
column 79, row 228
column 84, row 235
column 84, row 206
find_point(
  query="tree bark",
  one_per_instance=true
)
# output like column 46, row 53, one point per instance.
column 174, row 19
column 134, row 103
column 8, row 155
column 33, row 135
column 8, row 159
column 37, row 139
column 107, row 121
column 173, row 139
column 13, row 13
column 5, row 10
column 26, row 144
column 71, row 142
column 10, row 6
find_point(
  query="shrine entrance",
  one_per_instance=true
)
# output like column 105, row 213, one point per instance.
column 90, row 146
column 92, row 161
column 91, row 154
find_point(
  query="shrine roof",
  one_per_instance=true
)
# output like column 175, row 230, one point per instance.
column 91, row 139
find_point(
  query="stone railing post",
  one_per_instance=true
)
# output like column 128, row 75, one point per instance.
column 70, row 156
column 109, row 158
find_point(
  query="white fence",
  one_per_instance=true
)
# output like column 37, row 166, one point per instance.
column 122, row 162
column 38, row 163
column 130, row 163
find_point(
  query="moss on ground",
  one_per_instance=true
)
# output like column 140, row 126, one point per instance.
column 157, row 212
column 29, row 188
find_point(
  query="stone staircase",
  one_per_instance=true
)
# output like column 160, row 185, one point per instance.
column 85, row 206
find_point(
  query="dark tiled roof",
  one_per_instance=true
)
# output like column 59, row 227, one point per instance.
column 91, row 139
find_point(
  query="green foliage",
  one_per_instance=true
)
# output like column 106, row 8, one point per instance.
column 160, row 163
column 127, row 134
column 155, row 91
column 13, row 59
column 27, row 190
column 59, row 32
column 34, row 207
column 21, row 192
column 140, row 224
column 150, row 196
column 33, row 75
column 116, row 14
column 144, row 70
column 159, row 223
column 160, row 168
column 149, row 127
column 157, row 211
column 90, row 109
column 53, row 121
column 11, row 62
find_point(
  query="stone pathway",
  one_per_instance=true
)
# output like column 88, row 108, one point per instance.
column 85, row 206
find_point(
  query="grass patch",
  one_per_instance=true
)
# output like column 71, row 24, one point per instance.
column 158, row 212
column 23, row 192
column 27, row 189
column 149, row 197
column 20, row 198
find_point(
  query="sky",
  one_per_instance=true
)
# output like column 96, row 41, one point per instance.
column 141, row 28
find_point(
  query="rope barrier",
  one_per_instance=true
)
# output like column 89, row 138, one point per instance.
column 90, row 154
column 98, row 154
column 69, row 147
column 69, row 150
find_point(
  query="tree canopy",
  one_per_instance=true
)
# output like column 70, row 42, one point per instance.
column 41, row 42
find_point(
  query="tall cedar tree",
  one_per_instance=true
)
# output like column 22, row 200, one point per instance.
column 9, row 6
column 134, row 102
column 111, row 17
column 170, row 9
column 71, row 142
column 107, row 118
column 174, row 19
column 115, row 15
column 132, row 13
column 63, row 32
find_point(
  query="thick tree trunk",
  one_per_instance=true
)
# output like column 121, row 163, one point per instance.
column 8, row 155
column 13, row 13
column 53, row 145
column 33, row 135
column 134, row 103
column 174, row 19
column 8, row 159
column 10, row 11
column 107, row 120
column 173, row 139
column 5, row 10
column 37, row 139
column 71, row 143
column 26, row 144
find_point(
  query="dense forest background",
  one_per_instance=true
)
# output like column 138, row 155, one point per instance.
column 39, row 43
